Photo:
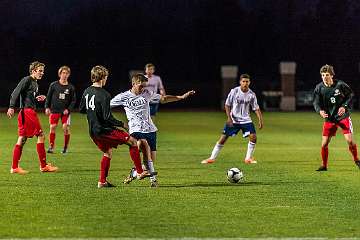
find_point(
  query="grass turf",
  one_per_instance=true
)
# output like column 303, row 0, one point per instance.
column 282, row 195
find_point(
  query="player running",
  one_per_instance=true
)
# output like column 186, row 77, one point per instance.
column 60, row 101
column 95, row 102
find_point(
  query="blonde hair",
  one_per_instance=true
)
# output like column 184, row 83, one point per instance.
column 149, row 65
column 98, row 73
column 63, row 68
column 35, row 65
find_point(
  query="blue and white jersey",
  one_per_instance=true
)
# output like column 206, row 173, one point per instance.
column 240, row 103
column 137, row 109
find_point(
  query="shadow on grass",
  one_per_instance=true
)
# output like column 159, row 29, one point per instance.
column 216, row 184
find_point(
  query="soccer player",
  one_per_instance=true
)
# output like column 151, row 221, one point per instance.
column 95, row 102
column 238, row 104
column 136, row 103
column 155, row 85
column 60, row 101
column 331, row 101
column 28, row 121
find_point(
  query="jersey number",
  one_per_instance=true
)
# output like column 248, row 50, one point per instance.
column 90, row 103
column 332, row 100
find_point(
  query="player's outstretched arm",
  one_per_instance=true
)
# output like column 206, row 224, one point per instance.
column 172, row 98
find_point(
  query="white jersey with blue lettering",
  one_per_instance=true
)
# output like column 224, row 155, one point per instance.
column 137, row 109
column 240, row 104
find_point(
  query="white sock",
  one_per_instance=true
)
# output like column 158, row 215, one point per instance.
column 152, row 169
column 215, row 152
column 134, row 173
column 250, row 150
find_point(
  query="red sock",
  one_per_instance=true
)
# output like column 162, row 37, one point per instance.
column 353, row 150
column 52, row 140
column 40, row 148
column 104, row 168
column 16, row 156
column 135, row 157
column 324, row 156
column 66, row 140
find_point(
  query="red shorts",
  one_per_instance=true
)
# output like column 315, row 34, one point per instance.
column 28, row 123
column 329, row 128
column 54, row 118
column 111, row 140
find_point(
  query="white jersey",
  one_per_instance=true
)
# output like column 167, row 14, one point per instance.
column 154, row 84
column 137, row 109
column 240, row 103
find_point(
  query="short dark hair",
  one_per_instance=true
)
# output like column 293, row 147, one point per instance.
column 245, row 75
column 327, row 68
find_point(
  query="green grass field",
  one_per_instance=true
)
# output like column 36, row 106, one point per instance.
column 282, row 196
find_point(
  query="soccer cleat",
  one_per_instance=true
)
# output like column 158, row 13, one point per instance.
column 143, row 175
column 250, row 161
column 130, row 177
column 154, row 184
column 357, row 162
column 49, row 168
column 19, row 170
column 64, row 151
column 50, row 150
column 208, row 161
column 105, row 185
column 321, row 168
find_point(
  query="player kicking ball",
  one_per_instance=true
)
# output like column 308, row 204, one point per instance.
column 103, row 127
column 136, row 104
column 238, row 104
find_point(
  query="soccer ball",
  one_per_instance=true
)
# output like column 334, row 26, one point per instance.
column 234, row 175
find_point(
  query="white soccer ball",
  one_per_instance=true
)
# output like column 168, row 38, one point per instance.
column 234, row 175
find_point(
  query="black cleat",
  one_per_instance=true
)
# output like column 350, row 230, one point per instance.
column 357, row 162
column 50, row 150
column 64, row 151
column 321, row 168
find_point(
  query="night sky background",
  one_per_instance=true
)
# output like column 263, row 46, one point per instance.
column 187, row 40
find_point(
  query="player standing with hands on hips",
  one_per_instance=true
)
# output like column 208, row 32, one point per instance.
column 331, row 100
